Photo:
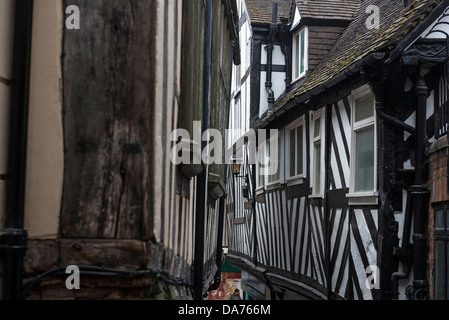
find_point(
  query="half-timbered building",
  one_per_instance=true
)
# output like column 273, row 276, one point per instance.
column 87, row 115
column 357, row 207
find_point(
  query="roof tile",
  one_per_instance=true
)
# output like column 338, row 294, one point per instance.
column 328, row 9
column 357, row 41
column 260, row 10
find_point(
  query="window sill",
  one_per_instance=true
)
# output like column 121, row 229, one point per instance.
column 301, row 77
column 273, row 185
column 317, row 196
column 260, row 190
column 363, row 198
column 295, row 181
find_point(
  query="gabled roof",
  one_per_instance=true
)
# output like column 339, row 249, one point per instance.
column 259, row 11
column 357, row 41
column 328, row 9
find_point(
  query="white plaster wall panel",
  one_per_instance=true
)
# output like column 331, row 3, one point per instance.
column 158, row 120
column 278, row 56
column 278, row 84
column 278, row 80
column 263, row 94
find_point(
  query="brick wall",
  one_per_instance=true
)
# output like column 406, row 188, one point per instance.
column 438, row 152
column 321, row 40
column 438, row 170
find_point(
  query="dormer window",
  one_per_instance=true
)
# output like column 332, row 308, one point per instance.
column 300, row 64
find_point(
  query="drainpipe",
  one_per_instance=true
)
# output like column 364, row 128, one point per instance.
column 270, row 48
column 201, row 191
column 420, row 194
column 236, row 51
column 253, row 209
column 416, row 209
column 285, row 50
column 13, row 237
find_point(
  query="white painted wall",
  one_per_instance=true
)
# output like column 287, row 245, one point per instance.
column 297, row 17
column 239, row 121
column 166, row 198
column 45, row 157
column 278, row 56
column 278, row 80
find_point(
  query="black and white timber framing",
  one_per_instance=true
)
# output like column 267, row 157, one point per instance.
column 321, row 247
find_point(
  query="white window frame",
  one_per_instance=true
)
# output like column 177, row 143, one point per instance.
column 260, row 186
column 314, row 117
column 296, row 40
column 370, row 197
column 237, row 79
column 276, row 183
column 296, row 179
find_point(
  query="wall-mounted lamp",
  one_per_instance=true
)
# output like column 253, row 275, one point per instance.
column 237, row 163
column 236, row 167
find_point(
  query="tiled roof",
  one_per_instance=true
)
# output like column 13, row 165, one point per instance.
column 357, row 41
column 260, row 10
column 328, row 9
